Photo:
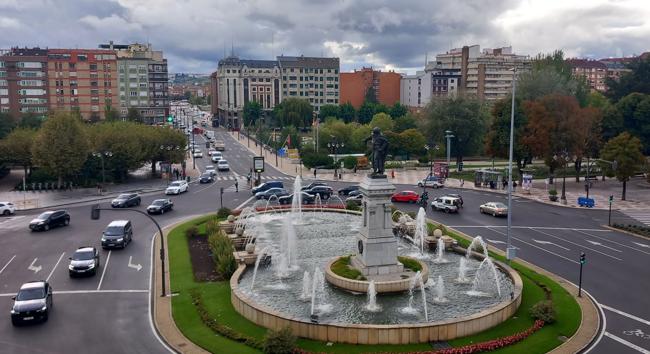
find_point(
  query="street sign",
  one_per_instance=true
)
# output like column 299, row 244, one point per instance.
column 258, row 164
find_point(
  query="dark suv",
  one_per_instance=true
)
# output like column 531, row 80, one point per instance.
column 50, row 219
column 126, row 200
column 348, row 189
column 84, row 261
column 119, row 233
column 32, row 303
column 312, row 185
column 325, row 192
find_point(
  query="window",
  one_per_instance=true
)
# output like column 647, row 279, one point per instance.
column 30, row 74
column 143, row 93
column 93, row 67
column 3, row 83
column 4, row 100
column 30, row 83
column 82, row 57
column 31, row 92
column 3, row 74
column 29, row 64
column 133, row 93
column 2, row 64
column 4, row 92
column 94, row 108
column 94, row 92
column 133, row 102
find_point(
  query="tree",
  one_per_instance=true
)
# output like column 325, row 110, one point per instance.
column 359, row 133
column 61, row 145
column 111, row 114
column 252, row 112
column 632, row 114
column 398, row 110
column 329, row 110
column 7, row 123
column 636, row 80
column 625, row 149
column 413, row 142
column 404, row 122
column 371, row 95
column 347, row 112
column 295, row 111
column 383, row 121
column 16, row 148
column 30, row 121
column 366, row 111
column 133, row 115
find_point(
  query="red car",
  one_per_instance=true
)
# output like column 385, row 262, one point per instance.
column 405, row 196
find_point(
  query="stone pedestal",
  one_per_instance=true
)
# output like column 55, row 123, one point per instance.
column 376, row 245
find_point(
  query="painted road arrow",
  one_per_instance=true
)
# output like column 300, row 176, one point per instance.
column 33, row 268
column 495, row 241
column 134, row 266
column 550, row 243
column 601, row 245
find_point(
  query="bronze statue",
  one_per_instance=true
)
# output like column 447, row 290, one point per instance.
column 379, row 151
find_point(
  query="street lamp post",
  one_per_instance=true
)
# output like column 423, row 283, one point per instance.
column 510, row 251
column 101, row 158
column 448, row 136
column 334, row 146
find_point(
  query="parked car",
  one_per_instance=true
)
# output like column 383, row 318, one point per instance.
column 206, row 177
column 210, row 169
column 305, row 198
column 356, row 199
column 84, row 261
column 405, row 197
column 267, row 185
column 223, row 165
column 354, row 193
column 119, row 233
column 197, row 154
column 216, row 156
column 160, row 206
column 457, row 196
column 325, row 192
column 50, row 219
column 126, row 200
column 312, row 185
column 494, row 209
column 278, row 192
column 32, row 303
column 177, row 187
column 431, row 181
column 347, row 190
column 446, row 204
column 7, row 208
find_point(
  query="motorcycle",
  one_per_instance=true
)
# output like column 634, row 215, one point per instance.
column 423, row 199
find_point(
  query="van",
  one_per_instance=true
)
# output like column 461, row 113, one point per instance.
column 267, row 185
column 118, row 234
column 446, row 204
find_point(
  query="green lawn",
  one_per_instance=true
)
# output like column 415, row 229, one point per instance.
column 216, row 297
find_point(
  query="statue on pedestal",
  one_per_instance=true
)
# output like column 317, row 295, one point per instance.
column 379, row 152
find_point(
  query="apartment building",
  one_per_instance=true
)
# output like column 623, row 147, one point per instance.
column 354, row 85
column 23, row 81
column 315, row 79
column 593, row 71
column 415, row 90
column 143, row 80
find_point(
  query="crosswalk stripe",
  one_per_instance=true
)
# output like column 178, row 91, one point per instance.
column 641, row 215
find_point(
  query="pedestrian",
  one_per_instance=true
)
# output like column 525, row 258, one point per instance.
column 514, row 185
column 462, row 182
column 505, row 184
column 392, row 173
column 314, row 172
column 236, row 186
column 355, row 169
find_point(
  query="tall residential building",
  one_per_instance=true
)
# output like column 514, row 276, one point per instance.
column 313, row 78
column 488, row 74
column 238, row 81
column 23, row 81
column 415, row 90
column 593, row 71
column 143, row 80
column 354, row 86
column 83, row 80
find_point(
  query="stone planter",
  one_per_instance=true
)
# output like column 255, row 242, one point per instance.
column 553, row 198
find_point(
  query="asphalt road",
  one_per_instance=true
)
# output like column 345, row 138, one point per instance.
column 111, row 310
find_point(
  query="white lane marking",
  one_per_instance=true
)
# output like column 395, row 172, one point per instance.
column 3, row 268
column 600, row 244
column 134, row 266
column 642, row 244
column 541, row 248
column 245, row 202
column 108, row 258
column 614, row 242
column 33, row 268
column 603, row 326
column 528, row 227
column 638, row 319
column 577, row 244
column 55, row 265
column 495, row 241
column 627, row 344
column 73, row 292
column 549, row 243
column 149, row 303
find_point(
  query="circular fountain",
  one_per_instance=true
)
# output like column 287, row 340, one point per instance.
column 457, row 292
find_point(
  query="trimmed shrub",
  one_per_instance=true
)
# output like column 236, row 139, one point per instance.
column 212, row 226
column 410, row 263
column 223, row 213
column 544, row 311
column 312, row 159
column 342, row 268
column 222, row 250
column 552, row 192
column 352, row 206
column 349, row 162
column 279, row 342
column 192, row 231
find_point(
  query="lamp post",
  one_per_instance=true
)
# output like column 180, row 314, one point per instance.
column 510, row 251
column 101, row 158
column 448, row 136
column 334, row 146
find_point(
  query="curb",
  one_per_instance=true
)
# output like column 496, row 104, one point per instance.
column 626, row 232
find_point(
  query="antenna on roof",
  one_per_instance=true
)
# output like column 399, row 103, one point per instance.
column 272, row 44
column 232, row 47
column 426, row 58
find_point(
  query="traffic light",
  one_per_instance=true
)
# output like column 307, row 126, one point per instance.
column 170, row 119
column 583, row 259
column 611, row 199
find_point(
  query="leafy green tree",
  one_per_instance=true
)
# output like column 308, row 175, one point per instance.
column 381, row 108
column 7, row 123
column 347, row 112
column 61, row 145
column 413, row 142
column 133, row 115
column 405, row 122
column 383, row 121
column 329, row 110
column 30, row 121
column 252, row 112
column 398, row 110
column 111, row 114
column 295, row 111
column 366, row 111
column 632, row 114
column 497, row 140
column 371, row 95
column 625, row 149
column 637, row 80
column 359, row 133
column 16, row 148
column 334, row 129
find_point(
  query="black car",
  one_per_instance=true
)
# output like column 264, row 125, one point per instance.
column 118, row 234
column 32, row 303
column 312, row 185
column 347, row 190
column 354, row 193
column 278, row 192
column 126, row 200
column 84, row 261
column 160, row 206
column 206, row 177
column 305, row 198
column 357, row 199
column 50, row 219
column 325, row 192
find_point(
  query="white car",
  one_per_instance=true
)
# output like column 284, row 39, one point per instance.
column 431, row 181
column 446, row 204
column 210, row 169
column 7, row 208
column 222, row 165
column 198, row 153
column 217, row 156
column 177, row 187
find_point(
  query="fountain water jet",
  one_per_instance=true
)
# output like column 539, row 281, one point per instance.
column 288, row 248
column 440, row 290
column 424, row 298
column 318, row 288
column 257, row 264
column 440, row 251
column 372, row 298
column 478, row 240
column 306, row 286
column 420, row 229
column 485, row 279
column 462, row 271
column 296, row 200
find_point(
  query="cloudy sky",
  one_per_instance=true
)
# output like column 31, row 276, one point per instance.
column 385, row 34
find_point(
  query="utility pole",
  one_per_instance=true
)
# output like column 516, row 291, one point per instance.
column 510, row 251
column 583, row 260
column 448, row 136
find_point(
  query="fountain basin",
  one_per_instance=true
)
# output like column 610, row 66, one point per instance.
column 383, row 283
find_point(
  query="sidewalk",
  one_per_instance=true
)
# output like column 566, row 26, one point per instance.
column 638, row 191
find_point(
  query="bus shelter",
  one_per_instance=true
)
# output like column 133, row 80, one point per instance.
column 488, row 179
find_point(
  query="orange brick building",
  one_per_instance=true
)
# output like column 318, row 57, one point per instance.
column 355, row 84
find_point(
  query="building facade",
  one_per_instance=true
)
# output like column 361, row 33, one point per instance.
column 24, row 82
column 83, row 80
column 354, row 86
column 414, row 92
column 593, row 71
column 315, row 79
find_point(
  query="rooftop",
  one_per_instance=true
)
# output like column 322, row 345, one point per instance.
column 308, row 62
